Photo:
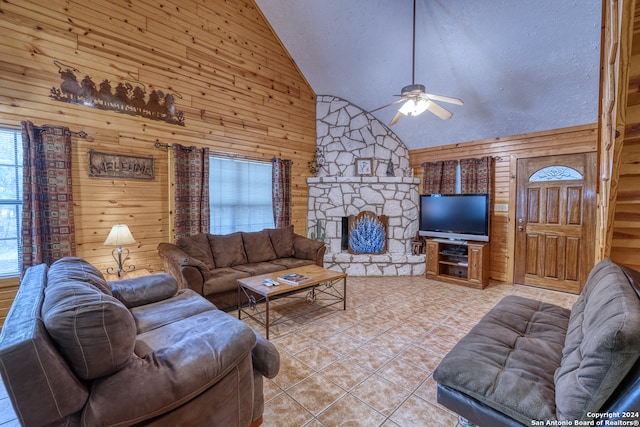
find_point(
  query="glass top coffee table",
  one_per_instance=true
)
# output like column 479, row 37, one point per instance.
column 321, row 291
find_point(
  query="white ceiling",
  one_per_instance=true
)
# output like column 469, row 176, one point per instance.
column 519, row 65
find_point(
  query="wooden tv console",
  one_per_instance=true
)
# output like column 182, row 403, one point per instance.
column 463, row 263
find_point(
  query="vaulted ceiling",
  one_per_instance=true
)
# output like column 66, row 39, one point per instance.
column 519, row 65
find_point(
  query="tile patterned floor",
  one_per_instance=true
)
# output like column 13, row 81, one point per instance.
column 371, row 365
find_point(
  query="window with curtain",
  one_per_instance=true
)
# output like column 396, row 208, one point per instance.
column 240, row 195
column 440, row 177
column 10, row 202
column 191, row 199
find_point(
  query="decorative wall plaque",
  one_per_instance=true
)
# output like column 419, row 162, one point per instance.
column 124, row 98
column 119, row 166
column 364, row 167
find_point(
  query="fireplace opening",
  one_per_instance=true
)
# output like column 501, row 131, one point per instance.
column 344, row 236
column 365, row 233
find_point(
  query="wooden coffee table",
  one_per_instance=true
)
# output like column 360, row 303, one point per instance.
column 322, row 284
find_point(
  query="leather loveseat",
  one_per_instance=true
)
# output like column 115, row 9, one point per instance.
column 76, row 350
column 529, row 362
column 212, row 264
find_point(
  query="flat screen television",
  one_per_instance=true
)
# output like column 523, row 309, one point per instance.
column 455, row 216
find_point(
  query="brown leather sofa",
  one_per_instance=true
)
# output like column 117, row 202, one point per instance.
column 530, row 362
column 77, row 350
column 212, row 264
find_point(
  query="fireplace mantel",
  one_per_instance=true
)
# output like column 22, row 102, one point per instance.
column 362, row 180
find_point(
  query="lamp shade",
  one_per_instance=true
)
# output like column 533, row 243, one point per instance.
column 119, row 235
column 414, row 108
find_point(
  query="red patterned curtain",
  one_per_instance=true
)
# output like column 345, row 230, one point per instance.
column 476, row 175
column 191, row 173
column 48, row 232
column 439, row 177
column 281, row 189
column 431, row 177
column 449, row 177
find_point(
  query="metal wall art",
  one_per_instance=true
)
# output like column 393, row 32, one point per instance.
column 317, row 163
column 124, row 98
column 119, row 166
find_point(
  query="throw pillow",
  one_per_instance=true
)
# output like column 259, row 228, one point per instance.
column 144, row 290
column 228, row 249
column 282, row 241
column 94, row 331
column 197, row 247
column 78, row 269
column 258, row 247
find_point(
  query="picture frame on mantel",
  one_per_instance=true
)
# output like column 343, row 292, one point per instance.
column 364, row 166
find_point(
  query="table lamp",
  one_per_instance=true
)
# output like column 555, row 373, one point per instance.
column 118, row 236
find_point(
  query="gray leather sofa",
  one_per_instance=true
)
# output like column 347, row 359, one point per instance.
column 529, row 362
column 76, row 350
column 212, row 264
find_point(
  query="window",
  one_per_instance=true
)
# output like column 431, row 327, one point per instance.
column 10, row 201
column 240, row 195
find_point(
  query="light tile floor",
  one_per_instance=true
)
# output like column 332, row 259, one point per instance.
column 371, row 365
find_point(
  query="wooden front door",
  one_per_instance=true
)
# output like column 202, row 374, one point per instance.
column 555, row 221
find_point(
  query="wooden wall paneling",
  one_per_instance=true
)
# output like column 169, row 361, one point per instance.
column 46, row 37
column 618, row 18
column 239, row 90
column 509, row 149
column 101, row 203
column 624, row 225
column 262, row 37
column 8, row 292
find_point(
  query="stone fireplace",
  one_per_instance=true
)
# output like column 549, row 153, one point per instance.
column 332, row 198
column 345, row 135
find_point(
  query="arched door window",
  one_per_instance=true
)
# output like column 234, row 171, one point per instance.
column 555, row 173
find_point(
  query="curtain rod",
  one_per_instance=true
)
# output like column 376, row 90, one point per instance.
column 161, row 145
column 219, row 153
column 81, row 134
column 239, row 156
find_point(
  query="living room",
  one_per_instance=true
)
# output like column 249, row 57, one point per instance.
column 242, row 94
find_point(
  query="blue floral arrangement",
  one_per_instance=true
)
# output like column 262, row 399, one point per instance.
column 367, row 235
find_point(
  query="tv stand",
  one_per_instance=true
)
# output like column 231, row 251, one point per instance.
column 456, row 241
column 460, row 262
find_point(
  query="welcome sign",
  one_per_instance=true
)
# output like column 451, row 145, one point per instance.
column 120, row 166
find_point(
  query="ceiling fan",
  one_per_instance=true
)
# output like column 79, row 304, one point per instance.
column 414, row 98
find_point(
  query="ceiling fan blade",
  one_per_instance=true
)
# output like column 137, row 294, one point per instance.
column 439, row 111
column 395, row 118
column 387, row 105
column 445, row 99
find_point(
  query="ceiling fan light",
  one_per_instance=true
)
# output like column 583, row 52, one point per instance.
column 414, row 108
